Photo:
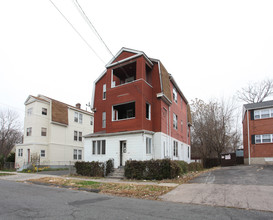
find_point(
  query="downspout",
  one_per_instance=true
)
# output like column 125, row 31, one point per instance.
column 170, row 136
column 248, row 143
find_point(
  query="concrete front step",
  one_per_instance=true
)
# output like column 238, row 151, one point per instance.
column 117, row 174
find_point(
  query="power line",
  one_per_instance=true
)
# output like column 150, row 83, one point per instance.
column 77, row 32
column 91, row 25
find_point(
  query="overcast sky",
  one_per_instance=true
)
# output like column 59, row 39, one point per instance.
column 212, row 48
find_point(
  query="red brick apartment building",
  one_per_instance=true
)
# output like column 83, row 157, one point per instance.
column 258, row 133
column 140, row 113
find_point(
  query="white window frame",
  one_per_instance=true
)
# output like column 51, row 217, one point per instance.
column 44, row 111
column 174, row 94
column 43, row 132
column 42, row 154
column 258, row 114
column 80, row 136
column 103, row 125
column 104, row 92
column 99, row 147
column 29, row 131
column 20, row 152
column 75, row 137
column 175, row 118
column 75, row 154
column 78, row 117
column 175, row 148
column 261, row 138
column 148, row 145
column 29, row 111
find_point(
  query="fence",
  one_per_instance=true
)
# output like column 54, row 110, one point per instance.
column 8, row 166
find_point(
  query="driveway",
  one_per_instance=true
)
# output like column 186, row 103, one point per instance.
column 249, row 187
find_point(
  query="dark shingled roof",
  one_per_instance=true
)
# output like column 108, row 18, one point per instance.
column 259, row 105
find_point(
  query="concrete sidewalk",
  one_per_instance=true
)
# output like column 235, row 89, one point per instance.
column 28, row 176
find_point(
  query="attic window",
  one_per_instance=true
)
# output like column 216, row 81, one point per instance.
column 123, row 111
column 174, row 95
column 124, row 74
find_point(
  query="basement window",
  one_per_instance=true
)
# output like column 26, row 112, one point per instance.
column 124, row 74
column 123, row 111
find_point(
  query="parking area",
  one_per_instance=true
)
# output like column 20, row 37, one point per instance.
column 249, row 187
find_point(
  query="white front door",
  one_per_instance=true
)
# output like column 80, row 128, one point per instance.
column 123, row 151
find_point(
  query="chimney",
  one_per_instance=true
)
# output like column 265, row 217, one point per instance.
column 78, row 105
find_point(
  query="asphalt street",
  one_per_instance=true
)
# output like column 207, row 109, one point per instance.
column 26, row 201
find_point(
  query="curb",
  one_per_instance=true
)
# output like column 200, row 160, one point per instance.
column 66, row 187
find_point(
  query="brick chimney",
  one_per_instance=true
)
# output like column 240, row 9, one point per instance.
column 78, row 105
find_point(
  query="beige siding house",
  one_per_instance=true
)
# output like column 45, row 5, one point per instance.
column 53, row 132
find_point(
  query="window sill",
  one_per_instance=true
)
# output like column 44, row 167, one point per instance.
column 124, row 119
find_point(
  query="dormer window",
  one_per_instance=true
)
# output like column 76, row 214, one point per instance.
column 124, row 74
column 174, row 95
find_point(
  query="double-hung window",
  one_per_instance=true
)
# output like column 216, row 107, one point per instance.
column 29, row 131
column 148, row 145
column 103, row 120
column 174, row 95
column 20, row 152
column 174, row 121
column 77, row 154
column 29, row 111
column 75, row 135
column 104, row 92
column 44, row 111
column 175, row 148
column 43, row 131
column 78, row 117
column 42, row 153
column 99, row 147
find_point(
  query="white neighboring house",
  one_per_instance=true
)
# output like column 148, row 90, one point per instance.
column 53, row 131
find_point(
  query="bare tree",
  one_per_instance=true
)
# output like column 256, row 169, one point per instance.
column 256, row 92
column 213, row 130
column 10, row 132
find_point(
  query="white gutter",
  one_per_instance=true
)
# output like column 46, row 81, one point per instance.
column 248, row 143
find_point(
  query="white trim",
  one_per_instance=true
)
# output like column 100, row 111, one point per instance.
column 137, row 52
column 159, row 71
column 124, row 60
column 164, row 97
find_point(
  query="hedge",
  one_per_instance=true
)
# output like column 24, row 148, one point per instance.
column 90, row 168
column 183, row 165
column 152, row 169
column 109, row 166
column 195, row 166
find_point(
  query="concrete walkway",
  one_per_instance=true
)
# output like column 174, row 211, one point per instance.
column 27, row 176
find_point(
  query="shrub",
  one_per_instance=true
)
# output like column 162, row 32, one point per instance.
column 109, row 166
column 194, row 166
column 183, row 165
column 90, row 168
column 152, row 169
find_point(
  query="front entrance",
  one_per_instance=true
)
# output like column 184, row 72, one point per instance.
column 28, row 155
column 123, row 150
